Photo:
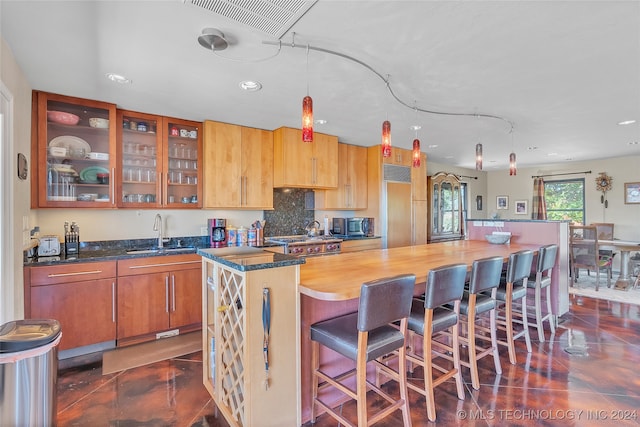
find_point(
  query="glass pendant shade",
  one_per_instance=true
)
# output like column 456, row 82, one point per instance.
column 416, row 153
column 307, row 119
column 478, row 157
column 512, row 164
column 386, row 139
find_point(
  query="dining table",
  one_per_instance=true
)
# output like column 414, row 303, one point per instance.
column 624, row 280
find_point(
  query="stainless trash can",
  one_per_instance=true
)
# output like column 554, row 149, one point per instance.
column 28, row 372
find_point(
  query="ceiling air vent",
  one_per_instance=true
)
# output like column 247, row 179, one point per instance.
column 273, row 17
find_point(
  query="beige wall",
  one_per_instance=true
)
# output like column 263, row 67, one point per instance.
column 623, row 169
column 16, row 83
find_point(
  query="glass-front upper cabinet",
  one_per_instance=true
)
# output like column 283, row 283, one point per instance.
column 73, row 153
column 446, row 207
column 139, row 151
column 161, row 162
column 182, row 163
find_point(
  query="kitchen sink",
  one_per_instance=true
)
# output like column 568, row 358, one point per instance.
column 160, row 250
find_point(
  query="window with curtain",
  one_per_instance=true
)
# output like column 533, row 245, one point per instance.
column 565, row 200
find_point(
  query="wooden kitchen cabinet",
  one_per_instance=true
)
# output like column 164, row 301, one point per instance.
column 304, row 165
column 238, row 166
column 66, row 157
column 445, row 200
column 352, row 181
column 399, row 157
column 159, row 162
column 156, row 295
column 82, row 297
column 419, row 180
column 357, row 245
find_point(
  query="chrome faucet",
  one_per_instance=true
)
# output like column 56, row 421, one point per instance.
column 157, row 226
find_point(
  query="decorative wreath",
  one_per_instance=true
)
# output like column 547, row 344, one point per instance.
column 603, row 182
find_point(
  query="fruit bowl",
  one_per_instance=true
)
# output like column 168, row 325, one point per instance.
column 62, row 118
column 497, row 239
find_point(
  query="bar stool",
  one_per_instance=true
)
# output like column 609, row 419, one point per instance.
column 511, row 297
column 540, row 280
column 437, row 324
column 363, row 337
column 478, row 300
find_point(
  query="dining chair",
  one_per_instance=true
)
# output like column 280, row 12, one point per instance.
column 605, row 232
column 437, row 324
column 539, row 280
column 363, row 337
column 477, row 301
column 585, row 253
column 511, row 299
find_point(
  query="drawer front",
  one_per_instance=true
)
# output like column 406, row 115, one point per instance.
column 72, row 272
column 158, row 264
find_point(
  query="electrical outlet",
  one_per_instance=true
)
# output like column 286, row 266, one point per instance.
column 203, row 231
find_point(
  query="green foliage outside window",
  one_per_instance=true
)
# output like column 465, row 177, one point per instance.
column 565, row 200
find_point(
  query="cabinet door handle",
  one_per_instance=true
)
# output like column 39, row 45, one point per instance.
column 112, row 181
column 166, row 293
column 79, row 273
column 113, row 302
column 173, row 292
column 133, row 267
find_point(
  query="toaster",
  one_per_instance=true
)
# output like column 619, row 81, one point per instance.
column 48, row 246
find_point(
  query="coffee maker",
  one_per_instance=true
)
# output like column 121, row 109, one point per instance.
column 218, row 232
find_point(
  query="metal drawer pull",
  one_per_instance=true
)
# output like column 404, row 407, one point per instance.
column 163, row 265
column 79, row 273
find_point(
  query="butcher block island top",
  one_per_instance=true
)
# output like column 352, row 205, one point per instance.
column 339, row 277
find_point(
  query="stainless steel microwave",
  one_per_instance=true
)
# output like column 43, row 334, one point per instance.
column 360, row 226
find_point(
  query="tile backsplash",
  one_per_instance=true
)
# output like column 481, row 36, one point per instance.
column 290, row 212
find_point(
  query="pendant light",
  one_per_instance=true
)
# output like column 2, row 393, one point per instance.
column 416, row 142
column 307, row 111
column 386, row 138
column 478, row 157
column 512, row 158
column 416, row 152
column 512, row 164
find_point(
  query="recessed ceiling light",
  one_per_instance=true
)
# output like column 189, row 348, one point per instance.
column 626, row 122
column 320, row 122
column 415, row 127
column 118, row 78
column 532, row 148
column 250, row 86
column 633, row 143
column 432, row 146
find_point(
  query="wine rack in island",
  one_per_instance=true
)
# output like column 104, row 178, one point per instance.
column 235, row 327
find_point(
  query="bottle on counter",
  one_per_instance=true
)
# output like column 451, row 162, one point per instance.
column 231, row 236
column 242, row 236
column 252, row 236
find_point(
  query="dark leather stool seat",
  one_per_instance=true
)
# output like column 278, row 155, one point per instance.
column 437, row 326
column 539, row 280
column 366, row 336
column 480, row 298
column 511, row 297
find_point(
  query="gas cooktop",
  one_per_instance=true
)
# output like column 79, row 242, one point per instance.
column 302, row 239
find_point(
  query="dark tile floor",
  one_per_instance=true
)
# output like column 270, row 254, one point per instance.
column 596, row 385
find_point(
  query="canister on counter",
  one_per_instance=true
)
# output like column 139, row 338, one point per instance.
column 242, row 236
column 231, row 236
column 252, row 236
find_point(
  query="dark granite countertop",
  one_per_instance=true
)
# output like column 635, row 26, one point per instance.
column 248, row 258
column 113, row 250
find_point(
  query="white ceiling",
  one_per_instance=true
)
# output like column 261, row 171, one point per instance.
column 562, row 73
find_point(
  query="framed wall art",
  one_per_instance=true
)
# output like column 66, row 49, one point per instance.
column 521, row 207
column 631, row 192
column 502, row 202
